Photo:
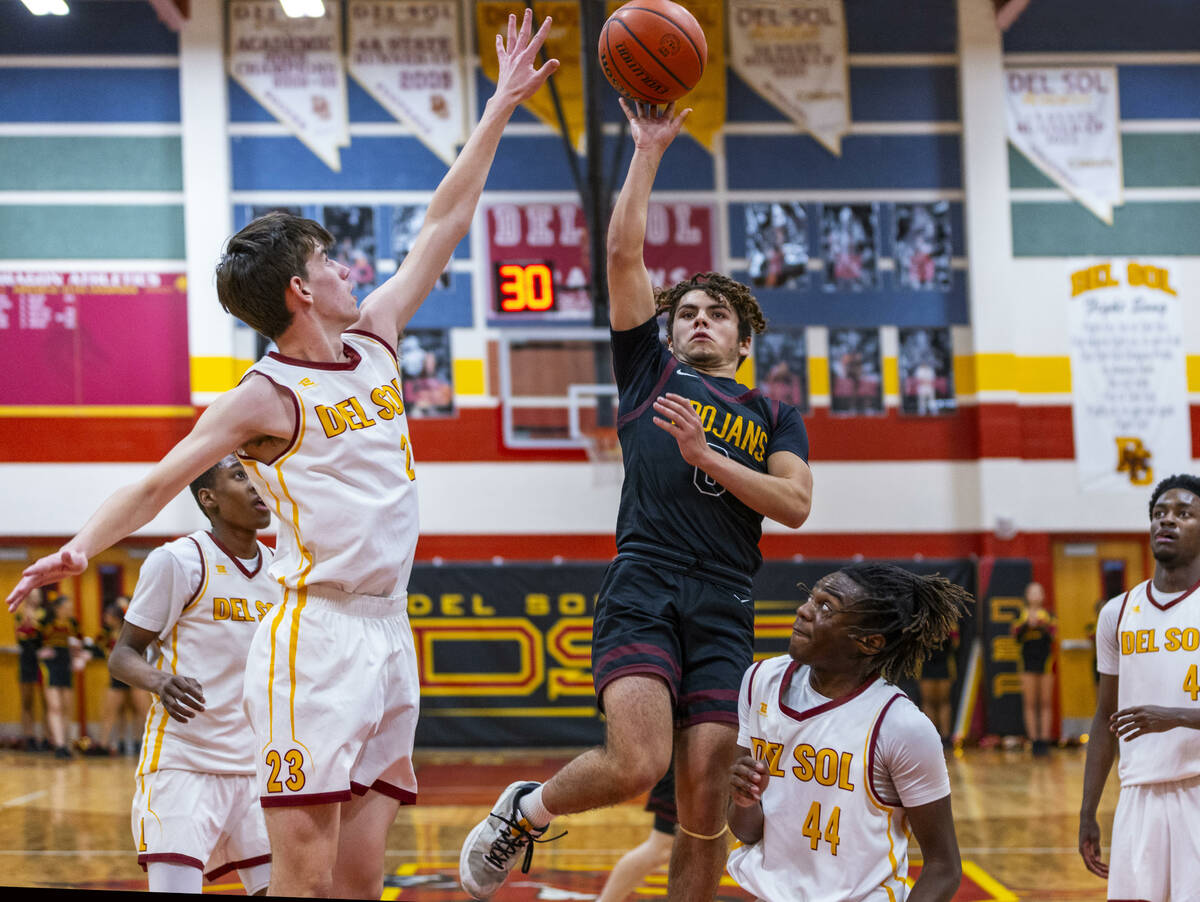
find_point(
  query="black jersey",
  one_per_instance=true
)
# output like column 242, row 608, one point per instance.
column 668, row 503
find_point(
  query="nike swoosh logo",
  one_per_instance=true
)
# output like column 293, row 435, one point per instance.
column 692, row 375
column 743, row 600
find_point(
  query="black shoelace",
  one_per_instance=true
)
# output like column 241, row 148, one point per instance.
column 509, row 841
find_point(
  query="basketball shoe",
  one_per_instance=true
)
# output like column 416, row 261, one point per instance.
column 491, row 849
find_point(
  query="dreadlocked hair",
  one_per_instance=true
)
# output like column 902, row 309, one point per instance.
column 914, row 614
column 715, row 285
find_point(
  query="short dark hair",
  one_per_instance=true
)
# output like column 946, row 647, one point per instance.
column 207, row 480
column 1178, row 481
column 259, row 262
column 914, row 614
column 716, row 286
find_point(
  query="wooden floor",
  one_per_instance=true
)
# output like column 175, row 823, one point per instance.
column 66, row 824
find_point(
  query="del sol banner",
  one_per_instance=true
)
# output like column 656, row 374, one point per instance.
column 1128, row 374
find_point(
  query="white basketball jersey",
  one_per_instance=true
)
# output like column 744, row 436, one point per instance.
column 208, row 640
column 827, row 837
column 1152, row 644
column 344, row 488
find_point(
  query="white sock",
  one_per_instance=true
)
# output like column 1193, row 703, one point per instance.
column 535, row 811
column 166, row 877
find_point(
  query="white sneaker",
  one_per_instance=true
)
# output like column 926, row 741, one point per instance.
column 490, row 850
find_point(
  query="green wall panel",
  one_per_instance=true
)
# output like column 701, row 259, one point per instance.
column 1150, row 161
column 1067, row 229
column 86, row 232
column 90, row 164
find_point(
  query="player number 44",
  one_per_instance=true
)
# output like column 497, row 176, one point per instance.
column 812, row 827
column 1191, row 685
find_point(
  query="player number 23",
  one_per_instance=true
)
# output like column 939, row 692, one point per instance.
column 293, row 759
column 812, row 827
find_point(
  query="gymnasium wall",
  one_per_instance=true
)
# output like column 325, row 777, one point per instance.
column 94, row 145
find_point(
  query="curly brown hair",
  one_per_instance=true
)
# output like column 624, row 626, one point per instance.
column 738, row 296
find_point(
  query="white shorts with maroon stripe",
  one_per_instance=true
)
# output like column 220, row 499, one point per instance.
column 209, row 821
column 1155, row 853
column 332, row 694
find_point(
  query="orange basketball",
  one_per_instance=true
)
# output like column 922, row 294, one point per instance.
column 653, row 50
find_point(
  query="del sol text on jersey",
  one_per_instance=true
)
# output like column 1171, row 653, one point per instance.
column 1138, row 642
column 351, row 414
column 828, row 767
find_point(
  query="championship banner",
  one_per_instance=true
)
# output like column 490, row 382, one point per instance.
column 562, row 44
column 1128, row 375
column 1065, row 121
column 504, row 652
column 794, row 53
column 293, row 67
column 707, row 99
column 538, row 257
column 406, row 55
column 67, row 336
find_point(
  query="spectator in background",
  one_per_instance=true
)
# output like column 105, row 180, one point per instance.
column 1034, row 632
column 937, row 676
column 120, row 711
column 60, row 639
column 29, row 675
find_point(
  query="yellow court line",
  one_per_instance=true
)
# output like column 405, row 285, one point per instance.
column 988, row 883
column 77, row 411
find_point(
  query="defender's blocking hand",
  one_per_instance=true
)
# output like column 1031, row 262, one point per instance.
column 50, row 569
column 519, row 79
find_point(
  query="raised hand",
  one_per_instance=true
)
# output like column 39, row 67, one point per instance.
column 49, row 569
column 182, row 696
column 519, row 78
column 653, row 128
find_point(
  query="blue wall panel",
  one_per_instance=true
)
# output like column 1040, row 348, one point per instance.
column 111, row 27
column 893, row 26
column 1160, row 92
column 1082, row 25
column 362, row 106
column 867, row 161
column 89, row 95
column 877, row 94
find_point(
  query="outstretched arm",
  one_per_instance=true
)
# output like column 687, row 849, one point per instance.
column 251, row 409
column 448, row 220
column 630, row 294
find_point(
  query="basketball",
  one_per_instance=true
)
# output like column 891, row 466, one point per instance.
column 653, row 50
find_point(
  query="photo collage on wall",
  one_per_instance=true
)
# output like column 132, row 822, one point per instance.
column 781, row 365
column 848, row 239
column 424, row 354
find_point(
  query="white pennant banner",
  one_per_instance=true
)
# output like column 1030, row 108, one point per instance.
column 793, row 53
column 1066, row 121
column 406, row 55
column 1128, row 374
column 293, row 67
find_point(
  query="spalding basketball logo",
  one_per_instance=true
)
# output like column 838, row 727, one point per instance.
column 668, row 45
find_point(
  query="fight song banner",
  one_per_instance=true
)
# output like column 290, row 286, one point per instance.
column 563, row 44
column 1066, row 122
column 293, row 67
column 406, row 55
column 793, row 53
column 1128, row 374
